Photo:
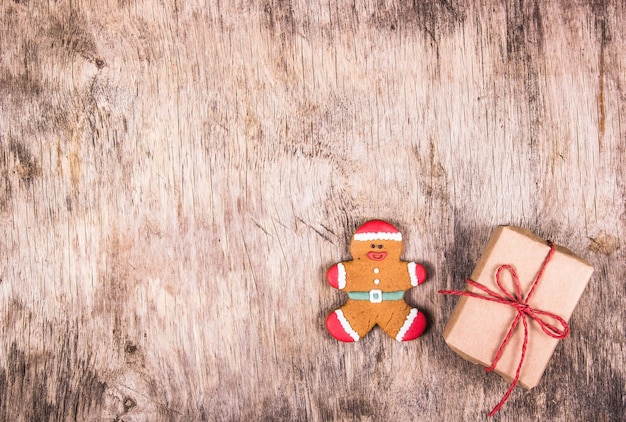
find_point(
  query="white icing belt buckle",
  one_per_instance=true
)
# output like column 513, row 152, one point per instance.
column 376, row 296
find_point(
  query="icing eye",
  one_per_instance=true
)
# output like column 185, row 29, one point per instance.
column 373, row 246
column 380, row 246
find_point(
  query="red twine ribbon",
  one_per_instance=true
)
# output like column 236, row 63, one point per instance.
column 524, row 311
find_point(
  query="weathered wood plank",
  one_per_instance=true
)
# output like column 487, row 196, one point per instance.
column 176, row 177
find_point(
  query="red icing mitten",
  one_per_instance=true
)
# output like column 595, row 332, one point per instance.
column 376, row 280
column 332, row 276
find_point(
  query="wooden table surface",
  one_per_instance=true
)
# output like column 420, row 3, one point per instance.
column 177, row 176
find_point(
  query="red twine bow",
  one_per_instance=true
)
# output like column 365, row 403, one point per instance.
column 524, row 311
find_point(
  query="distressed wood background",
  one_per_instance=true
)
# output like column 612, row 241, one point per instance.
column 176, row 176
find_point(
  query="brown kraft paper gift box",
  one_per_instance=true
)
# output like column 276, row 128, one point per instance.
column 477, row 327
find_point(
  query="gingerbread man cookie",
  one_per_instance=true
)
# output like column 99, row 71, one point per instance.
column 376, row 280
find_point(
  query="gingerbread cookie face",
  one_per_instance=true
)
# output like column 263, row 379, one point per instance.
column 378, row 250
column 376, row 280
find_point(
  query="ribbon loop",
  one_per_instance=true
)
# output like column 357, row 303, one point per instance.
column 524, row 312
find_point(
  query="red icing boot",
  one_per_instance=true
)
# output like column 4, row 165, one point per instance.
column 335, row 324
column 415, row 327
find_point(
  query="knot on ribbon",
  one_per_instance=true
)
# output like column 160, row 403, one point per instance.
column 522, row 307
column 524, row 311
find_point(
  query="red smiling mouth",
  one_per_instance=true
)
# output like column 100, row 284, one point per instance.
column 377, row 256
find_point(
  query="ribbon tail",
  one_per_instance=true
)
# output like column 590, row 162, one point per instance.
column 504, row 399
column 517, row 372
column 508, row 336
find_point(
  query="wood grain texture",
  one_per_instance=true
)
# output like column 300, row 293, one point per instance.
column 175, row 178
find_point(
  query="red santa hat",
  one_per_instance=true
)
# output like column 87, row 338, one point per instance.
column 377, row 230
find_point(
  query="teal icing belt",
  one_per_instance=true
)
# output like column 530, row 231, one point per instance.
column 398, row 295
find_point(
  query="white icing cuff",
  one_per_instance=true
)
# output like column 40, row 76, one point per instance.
column 414, row 280
column 341, row 276
column 346, row 325
column 407, row 324
column 366, row 237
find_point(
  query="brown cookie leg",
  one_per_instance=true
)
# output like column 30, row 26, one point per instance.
column 402, row 322
column 391, row 315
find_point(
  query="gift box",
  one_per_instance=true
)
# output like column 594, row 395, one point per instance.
column 491, row 320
